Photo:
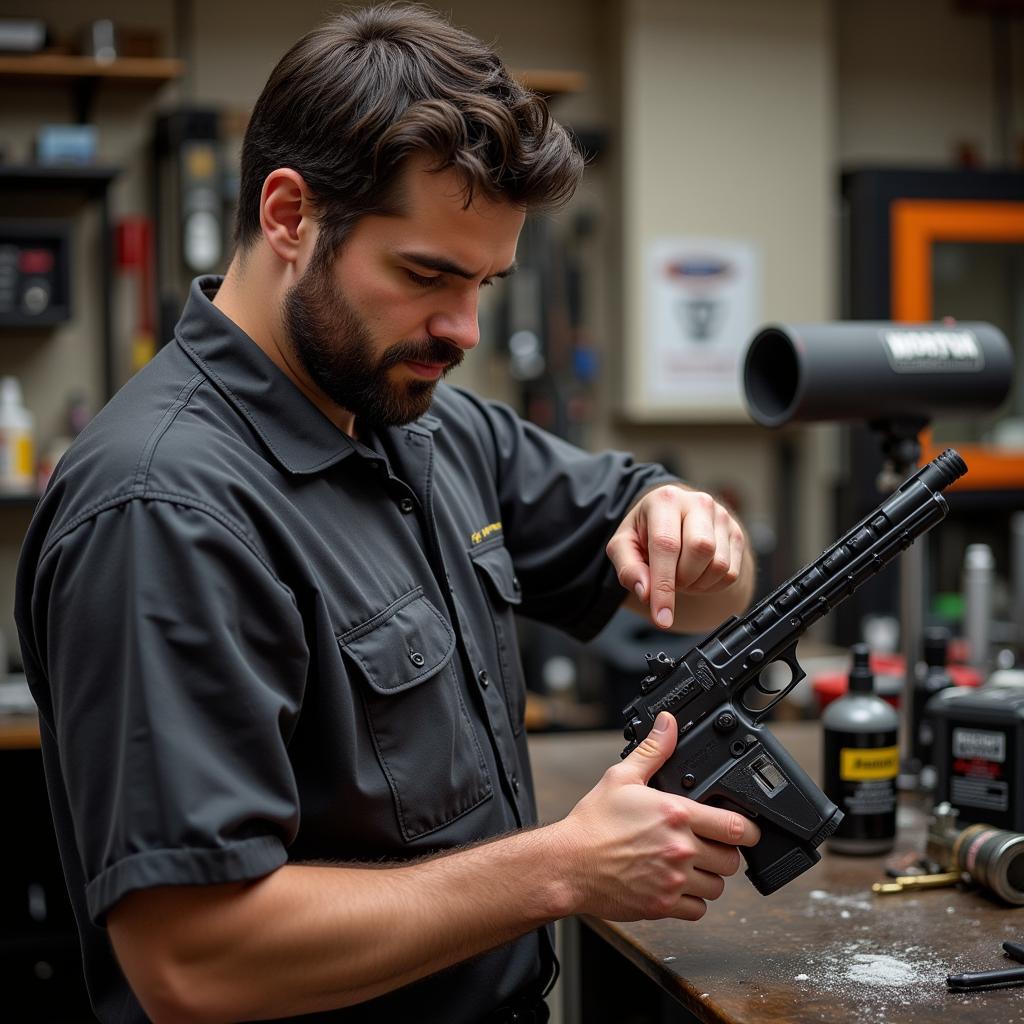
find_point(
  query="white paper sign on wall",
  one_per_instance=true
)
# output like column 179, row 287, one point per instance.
column 703, row 308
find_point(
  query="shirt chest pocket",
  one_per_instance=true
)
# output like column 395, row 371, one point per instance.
column 427, row 745
column 495, row 569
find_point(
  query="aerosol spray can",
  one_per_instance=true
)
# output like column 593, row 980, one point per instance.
column 862, row 760
column 1017, row 554
column 930, row 680
column 979, row 579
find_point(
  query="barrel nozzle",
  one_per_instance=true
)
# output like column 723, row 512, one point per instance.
column 951, row 465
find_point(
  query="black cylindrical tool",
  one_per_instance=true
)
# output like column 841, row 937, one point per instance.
column 933, row 678
column 977, row 981
column 873, row 371
column 1015, row 951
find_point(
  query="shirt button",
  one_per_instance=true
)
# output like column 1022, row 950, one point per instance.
column 407, row 505
column 482, row 676
column 515, row 582
column 515, row 783
column 417, row 659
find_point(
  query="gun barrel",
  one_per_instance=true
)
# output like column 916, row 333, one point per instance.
column 915, row 507
column 943, row 470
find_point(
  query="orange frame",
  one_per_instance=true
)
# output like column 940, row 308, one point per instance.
column 915, row 226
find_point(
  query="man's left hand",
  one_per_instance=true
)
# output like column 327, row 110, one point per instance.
column 680, row 541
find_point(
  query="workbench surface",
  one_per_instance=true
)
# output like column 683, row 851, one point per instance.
column 821, row 948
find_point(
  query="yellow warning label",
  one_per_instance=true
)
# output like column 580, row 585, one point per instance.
column 859, row 764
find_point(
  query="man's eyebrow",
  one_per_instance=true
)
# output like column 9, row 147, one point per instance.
column 446, row 266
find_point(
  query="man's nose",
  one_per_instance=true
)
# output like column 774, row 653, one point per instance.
column 458, row 322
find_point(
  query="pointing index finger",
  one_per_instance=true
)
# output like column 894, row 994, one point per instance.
column 664, row 543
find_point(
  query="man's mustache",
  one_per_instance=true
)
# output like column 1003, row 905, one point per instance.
column 434, row 351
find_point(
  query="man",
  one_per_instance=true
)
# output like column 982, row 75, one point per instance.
column 266, row 606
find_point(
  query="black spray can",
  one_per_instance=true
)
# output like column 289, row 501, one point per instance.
column 932, row 678
column 862, row 760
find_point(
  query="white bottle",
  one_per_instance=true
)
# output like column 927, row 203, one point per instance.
column 979, row 578
column 17, row 446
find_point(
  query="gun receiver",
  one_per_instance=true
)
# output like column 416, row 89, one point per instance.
column 719, row 696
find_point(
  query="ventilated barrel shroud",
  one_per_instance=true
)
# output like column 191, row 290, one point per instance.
column 725, row 756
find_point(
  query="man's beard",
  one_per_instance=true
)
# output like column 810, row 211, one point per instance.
column 335, row 347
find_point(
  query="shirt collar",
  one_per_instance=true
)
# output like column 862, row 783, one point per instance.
column 299, row 436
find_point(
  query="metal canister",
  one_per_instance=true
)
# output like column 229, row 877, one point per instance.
column 992, row 857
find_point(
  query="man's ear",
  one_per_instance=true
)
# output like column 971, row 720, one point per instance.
column 285, row 214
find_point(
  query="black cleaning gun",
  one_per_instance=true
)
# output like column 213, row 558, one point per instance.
column 724, row 755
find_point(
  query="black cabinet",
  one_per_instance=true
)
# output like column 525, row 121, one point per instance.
column 40, row 959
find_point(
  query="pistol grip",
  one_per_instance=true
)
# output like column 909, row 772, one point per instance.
column 780, row 856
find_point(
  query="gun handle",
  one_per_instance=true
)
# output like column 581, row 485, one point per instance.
column 782, row 852
column 777, row 858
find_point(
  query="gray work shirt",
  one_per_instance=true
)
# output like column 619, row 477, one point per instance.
column 254, row 640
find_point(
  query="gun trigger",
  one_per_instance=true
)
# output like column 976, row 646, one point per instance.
column 789, row 657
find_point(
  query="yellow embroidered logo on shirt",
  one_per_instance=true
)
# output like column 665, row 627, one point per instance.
column 482, row 534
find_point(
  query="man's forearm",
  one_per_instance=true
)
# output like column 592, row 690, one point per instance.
column 309, row 938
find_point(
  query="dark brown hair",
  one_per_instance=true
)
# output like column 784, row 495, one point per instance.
column 351, row 101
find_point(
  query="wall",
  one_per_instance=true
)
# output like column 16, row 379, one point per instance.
column 727, row 132
column 915, row 79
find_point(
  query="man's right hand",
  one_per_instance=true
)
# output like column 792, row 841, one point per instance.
column 637, row 853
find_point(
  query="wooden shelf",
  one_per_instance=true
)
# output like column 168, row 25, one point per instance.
column 19, row 732
column 551, row 83
column 88, row 178
column 60, row 67
column 166, row 69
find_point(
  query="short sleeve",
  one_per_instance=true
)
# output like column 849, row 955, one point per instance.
column 175, row 661
column 560, row 506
